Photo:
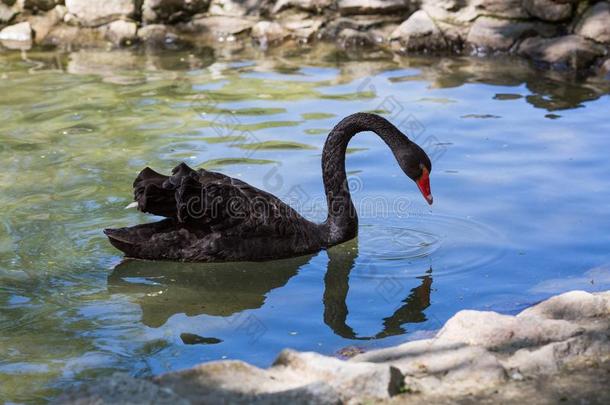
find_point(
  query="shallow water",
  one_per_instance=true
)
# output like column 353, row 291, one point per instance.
column 520, row 181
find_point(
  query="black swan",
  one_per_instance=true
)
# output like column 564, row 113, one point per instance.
column 212, row 217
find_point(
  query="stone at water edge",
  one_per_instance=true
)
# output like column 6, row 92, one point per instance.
column 268, row 32
column 493, row 34
column 21, row 32
column 43, row 23
column 595, row 23
column 571, row 51
column 120, row 32
column 419, row 32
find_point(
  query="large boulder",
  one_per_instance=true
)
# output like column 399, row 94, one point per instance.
column 418, row 33
column 570, row 51
column 492, row 34
column 595, row 23
column 95, row 13
column 548, row 10
column 373, row 6
column 155, row 11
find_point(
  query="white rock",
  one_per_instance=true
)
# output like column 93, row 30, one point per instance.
column 268, row 32
column 95, row 13
column 8, row 12
column 120, row 32
column 595, row 23
column 21, row 32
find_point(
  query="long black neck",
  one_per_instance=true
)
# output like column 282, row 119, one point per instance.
column 342, row 221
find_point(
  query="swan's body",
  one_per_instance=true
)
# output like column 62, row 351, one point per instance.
column 214, row 217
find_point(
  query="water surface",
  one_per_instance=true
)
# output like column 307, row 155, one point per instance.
column 520, row 181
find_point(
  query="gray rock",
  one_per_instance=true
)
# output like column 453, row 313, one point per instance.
column 349, row 7
column 492, row 34
column 227, row 8
column 95, row 13
column 268, row 32
column 303, row 29
column 10, row 10
column 595, row 23
column 42, row 5
column 120, row 32
column 571, row 51
column 154, row 11
column 21, row 32
column 43, row 23
column 71, row 36
column 419, row 33
column 548, row 10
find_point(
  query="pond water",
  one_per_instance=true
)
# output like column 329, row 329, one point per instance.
column 520, row 182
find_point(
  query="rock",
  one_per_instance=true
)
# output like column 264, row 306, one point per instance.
column 548, row 10
column 172, row 10
column 21, row 32
column 316, row 6
column 419, row 33
column 95, row 13
column 70, row 36
column 156, row 34
column 42, row 5
column 595, row 23
column 349, row 7
column 267, row 32
column 573, row 306
column 227, row 8
column 462, row 12
column 351, row 38
column 10, row 10
column 303, row 29
column 120, row 32
column 222, row 27
column 572, row 51
column 492, row 34
column 43, row 23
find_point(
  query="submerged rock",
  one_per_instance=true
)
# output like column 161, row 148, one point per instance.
column 595, row 23
column 571, row 51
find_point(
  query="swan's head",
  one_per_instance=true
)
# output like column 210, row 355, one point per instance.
column 416, row 164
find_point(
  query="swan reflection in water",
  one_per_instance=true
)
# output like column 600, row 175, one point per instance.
column 226, row 289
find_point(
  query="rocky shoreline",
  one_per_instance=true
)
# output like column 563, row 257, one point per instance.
column 555, row 351
column 568, row 35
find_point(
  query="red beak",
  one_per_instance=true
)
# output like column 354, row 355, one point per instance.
column 424, row 186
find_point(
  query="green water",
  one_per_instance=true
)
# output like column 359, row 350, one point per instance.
column 520, row 174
